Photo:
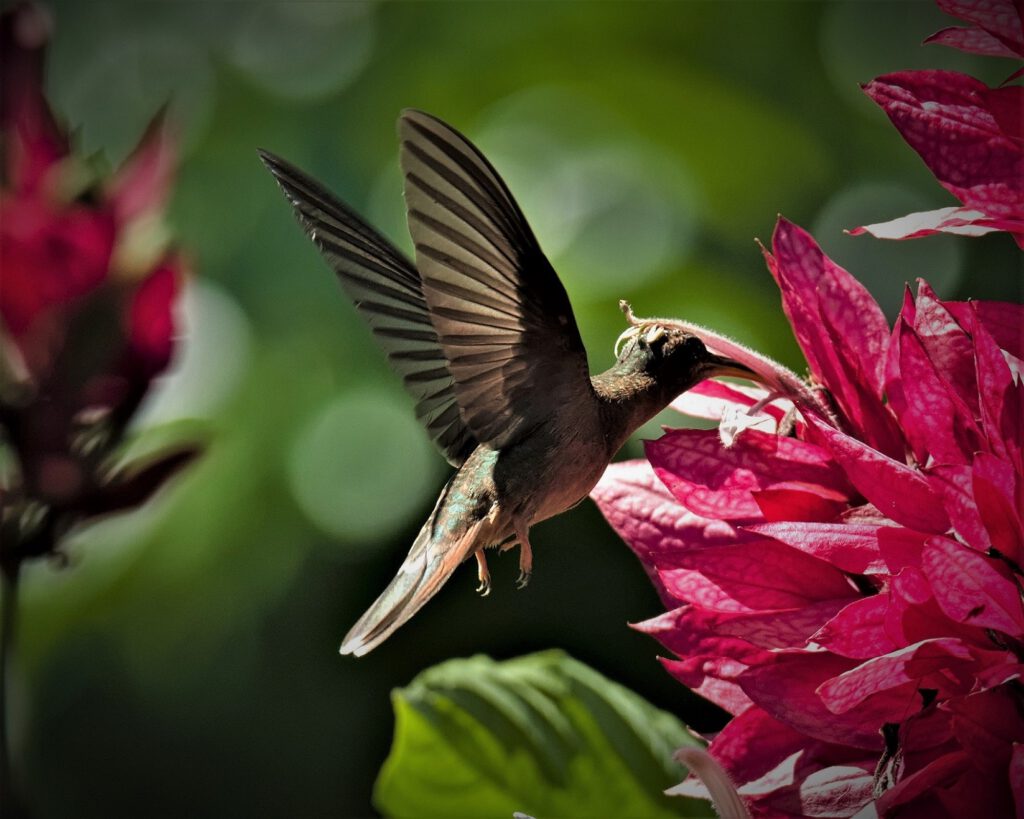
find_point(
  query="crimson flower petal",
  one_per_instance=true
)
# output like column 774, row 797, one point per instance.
column 997, row 492
column 689, row 631
column 860, row 630
column 899, row 491
column 786, row 687
column 988, row 724
column 713, row 678
column 833, row 791
column 972, row 40
column 151, row 318
column 947, row 118
column 34, row 142
column 937, row 421
column 946, row 341
column 999, row 395
column 909, row 665
column 716, row 482
column 956, row 485
column 1007, row 105
column 646, row 515
column 1004, row 320
column 1017, row 777
column 789, row 628
column 143, row 182
column 938, row 773
column 50, row 257
column 971, row 588
column 851, row 547
column 840, row 328
column 775, row 740
column 1000, row 18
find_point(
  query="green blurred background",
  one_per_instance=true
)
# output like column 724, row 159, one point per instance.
column 185, row 663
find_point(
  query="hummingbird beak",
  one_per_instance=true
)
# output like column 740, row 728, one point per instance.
column 717, row 365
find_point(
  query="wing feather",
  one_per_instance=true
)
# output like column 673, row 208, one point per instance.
column 502, row 316
column 388, row 293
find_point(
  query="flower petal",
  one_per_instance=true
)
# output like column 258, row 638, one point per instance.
column 999, row 396
column 937, row 421
column 646, row 515
column 786, row 687
column 997, row 491
column 987, row 724
column 151, row 321
column 852, row 547
column 791, row 628
column 897, row 490
column 960, row 221
column 956, row 485
column 896, row 669
column 34, row 142
column 711, row 679
column 936, row 774
column 712, row 398
column 1000, row 18
column 143, row 182
column 840, row 328
column 859, row 631
column 1004, row 320
column 711, row 480
column 971, row 588
column 947, row 118
column 972, row 40
column 767, row 576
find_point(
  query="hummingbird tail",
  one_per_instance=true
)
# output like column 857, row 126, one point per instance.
column 429, row 564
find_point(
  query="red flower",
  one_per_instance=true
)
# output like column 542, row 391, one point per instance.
column 968, row 134
column 847, row 583
column 87, row 301
column 997, row 29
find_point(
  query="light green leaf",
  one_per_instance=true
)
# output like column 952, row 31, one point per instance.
column 542, row 734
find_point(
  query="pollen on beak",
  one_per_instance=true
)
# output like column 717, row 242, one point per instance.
column 717, row 365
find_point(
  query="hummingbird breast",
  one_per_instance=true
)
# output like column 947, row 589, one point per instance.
column 552, row 469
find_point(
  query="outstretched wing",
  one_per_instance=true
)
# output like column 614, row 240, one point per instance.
column 502, row 316
column 387, row 290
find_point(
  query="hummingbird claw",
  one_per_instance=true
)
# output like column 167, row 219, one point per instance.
column 525, row 558
column 483, row 574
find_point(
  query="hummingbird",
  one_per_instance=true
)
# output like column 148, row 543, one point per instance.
column 483, row 335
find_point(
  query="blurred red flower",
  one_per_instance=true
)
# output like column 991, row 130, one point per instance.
column 969, row 135
column 846, row 582
column 87, row 302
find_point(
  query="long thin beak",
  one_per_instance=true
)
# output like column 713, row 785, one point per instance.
column 718, row 365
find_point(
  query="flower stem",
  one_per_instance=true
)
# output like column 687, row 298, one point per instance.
column 10, row 805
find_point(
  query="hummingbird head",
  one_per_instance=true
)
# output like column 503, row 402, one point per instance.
column 673, row 359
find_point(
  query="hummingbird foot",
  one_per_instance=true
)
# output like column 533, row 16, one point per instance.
column 483, row 573
column 525, row 559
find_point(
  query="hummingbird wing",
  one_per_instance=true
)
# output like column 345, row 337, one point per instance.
column 387, row 291
column 502, row 316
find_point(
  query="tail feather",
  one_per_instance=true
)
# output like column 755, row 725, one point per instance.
column 429, row 564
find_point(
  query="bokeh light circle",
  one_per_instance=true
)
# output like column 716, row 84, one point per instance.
column 303, row 50
column 362, row 468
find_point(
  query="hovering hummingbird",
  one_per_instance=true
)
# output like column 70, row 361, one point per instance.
column 483, row 335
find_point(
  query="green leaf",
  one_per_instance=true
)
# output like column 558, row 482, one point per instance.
column 542, row 734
